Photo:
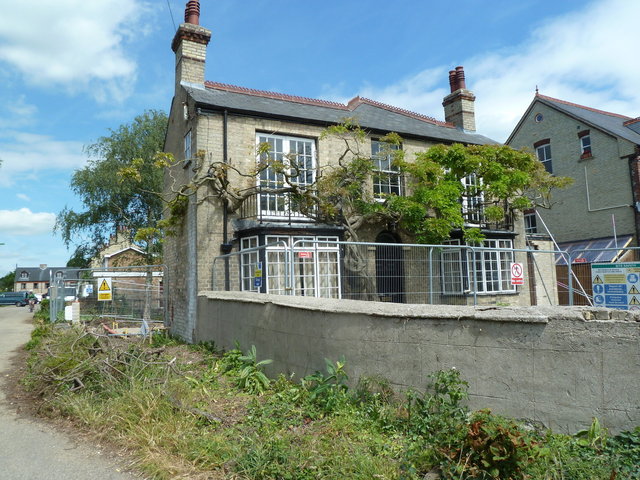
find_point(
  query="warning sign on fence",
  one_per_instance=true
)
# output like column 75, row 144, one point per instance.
column 105, row 293
column 517, row 274
column 616, row 285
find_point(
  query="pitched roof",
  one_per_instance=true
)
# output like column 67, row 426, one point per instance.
column 612, row 123
column 369, row 113
column 37, row 274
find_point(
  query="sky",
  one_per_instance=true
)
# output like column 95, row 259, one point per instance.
column 71, row 70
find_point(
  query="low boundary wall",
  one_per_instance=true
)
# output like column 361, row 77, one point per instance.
column 557, row 365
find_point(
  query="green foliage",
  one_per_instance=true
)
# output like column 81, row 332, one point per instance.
column 493, row 448
column 6, row 282
column 508, row 181
column 250, row 375
column 81, row 257
column 328, row 390
column 595, row 436
column 179, row 409
column 111, row 201
column 42, row 330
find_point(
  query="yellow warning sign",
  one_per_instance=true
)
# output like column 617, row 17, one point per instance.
column 633, row 290
column 597, row 279
column 634, row 301
column 104, row 289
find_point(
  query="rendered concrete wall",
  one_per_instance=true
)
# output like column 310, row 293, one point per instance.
column 557, row 365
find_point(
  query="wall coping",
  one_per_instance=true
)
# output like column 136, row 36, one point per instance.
column 535, row 314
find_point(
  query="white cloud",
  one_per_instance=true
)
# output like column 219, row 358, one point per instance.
column 26, row 154
column 77, row 44
column 586, row 56
column 16, row 112
column 24, row 222
column 24, row 197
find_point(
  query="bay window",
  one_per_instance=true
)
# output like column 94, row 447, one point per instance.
column 482, row 271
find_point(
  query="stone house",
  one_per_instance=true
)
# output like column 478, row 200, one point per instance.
column 600, row 151
column 228, row 122
column 39, row 279
column 119, row 252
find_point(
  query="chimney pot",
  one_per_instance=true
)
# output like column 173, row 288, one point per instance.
column 460, row 77
column 452, row 80
column 192, row 12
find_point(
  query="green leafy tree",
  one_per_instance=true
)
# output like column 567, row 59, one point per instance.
column 114, row 203
column 506, row 181
column 81, row 257
column 6, row 282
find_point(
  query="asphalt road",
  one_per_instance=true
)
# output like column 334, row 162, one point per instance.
column 34, row 450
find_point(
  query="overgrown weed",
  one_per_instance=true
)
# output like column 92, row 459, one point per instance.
column 207, row 414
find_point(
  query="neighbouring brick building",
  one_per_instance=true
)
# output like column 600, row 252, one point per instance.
column 600, row 151
column 119, row 252
column 228, row 122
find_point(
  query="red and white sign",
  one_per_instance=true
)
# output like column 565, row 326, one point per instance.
column 517, row 274
column 305, row 254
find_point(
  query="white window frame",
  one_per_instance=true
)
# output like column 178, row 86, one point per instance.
column 472, row 200
column 307, row 279
column 492, row 268
column 387, row 178
column 24, row 275
column 585, row 145
column 543, row 153
column 452, row 269
column 530, row 223
column 284, row 149
column 248, row 263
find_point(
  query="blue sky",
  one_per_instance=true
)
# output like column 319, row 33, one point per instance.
column 70, row 70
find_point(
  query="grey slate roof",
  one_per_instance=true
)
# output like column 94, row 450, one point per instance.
column 37, row 274
column 370, row 114
column 612, row 123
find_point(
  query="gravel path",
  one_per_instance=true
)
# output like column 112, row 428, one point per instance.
column 34, row 450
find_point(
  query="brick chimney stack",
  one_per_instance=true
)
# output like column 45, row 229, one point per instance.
column 190, row 46
column 459, row 107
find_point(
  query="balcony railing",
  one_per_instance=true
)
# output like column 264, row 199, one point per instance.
column 475, row 217
column 271, row 207
column 284, row 207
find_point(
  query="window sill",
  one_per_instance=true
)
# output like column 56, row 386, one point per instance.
column 585, row 157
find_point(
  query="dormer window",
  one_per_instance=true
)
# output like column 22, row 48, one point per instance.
column 585, row 144
column 59, row 274
column 24, row 275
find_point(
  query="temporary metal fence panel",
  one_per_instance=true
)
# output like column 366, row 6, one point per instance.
column 402, row 273
column 574, row 273
column 122, row 295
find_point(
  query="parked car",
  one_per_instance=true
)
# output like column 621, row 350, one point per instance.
column 19, row 299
